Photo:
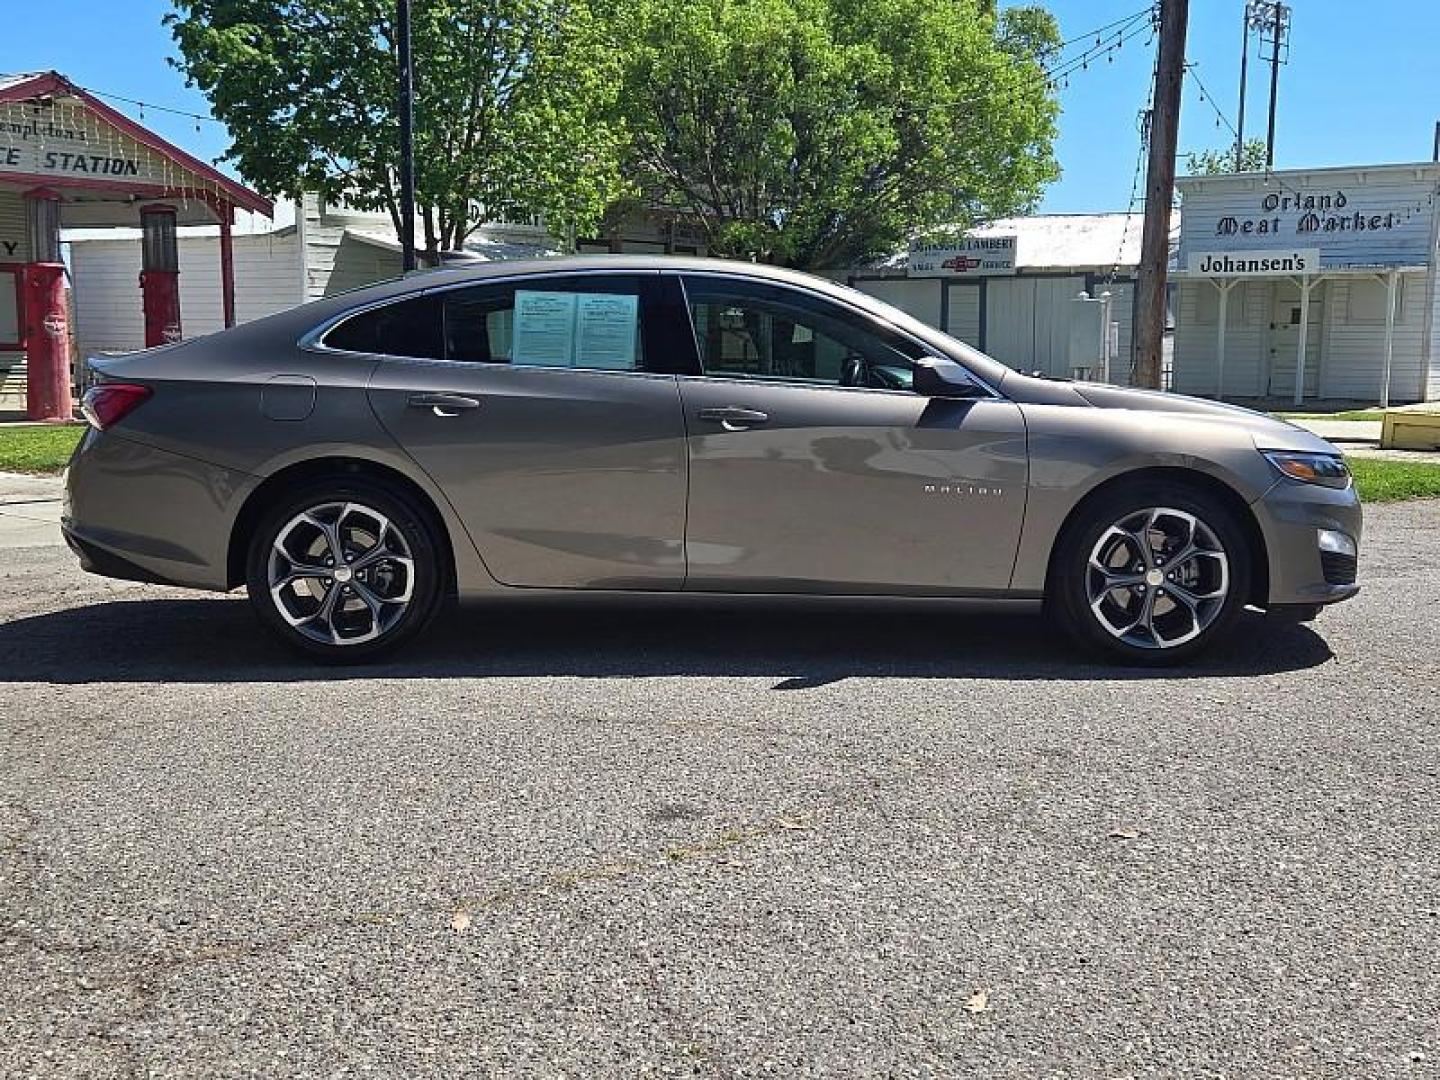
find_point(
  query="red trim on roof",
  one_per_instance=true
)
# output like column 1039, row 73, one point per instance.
column 52, row 82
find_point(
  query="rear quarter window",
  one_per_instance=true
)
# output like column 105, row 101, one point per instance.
column 412, row 327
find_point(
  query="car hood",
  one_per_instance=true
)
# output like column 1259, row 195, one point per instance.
column 1268, row 432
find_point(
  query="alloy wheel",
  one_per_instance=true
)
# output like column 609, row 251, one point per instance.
column 1157, row 578
column 341, row 573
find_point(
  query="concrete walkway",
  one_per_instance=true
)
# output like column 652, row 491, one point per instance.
column 1343, row 431
column 1361, row 438
column 29, row 511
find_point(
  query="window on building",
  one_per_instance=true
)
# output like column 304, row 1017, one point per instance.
column 10, row 308
column 1367, row 299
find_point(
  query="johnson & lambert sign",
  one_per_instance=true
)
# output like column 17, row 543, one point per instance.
column 1276, row 263
column 972, row 256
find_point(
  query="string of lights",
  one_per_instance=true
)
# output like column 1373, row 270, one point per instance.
column 141, row 105
column 1148, row 9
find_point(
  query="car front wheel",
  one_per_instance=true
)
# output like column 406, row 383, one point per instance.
column 1153, row 574
column 344, row 570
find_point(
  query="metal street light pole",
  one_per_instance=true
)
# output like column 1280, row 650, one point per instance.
column 1280, row 25
column 407, row 136
column 1240, row 118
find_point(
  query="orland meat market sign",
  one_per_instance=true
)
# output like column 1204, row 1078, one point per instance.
column 1302, row 213
column 972, row 256
column 1381, row 216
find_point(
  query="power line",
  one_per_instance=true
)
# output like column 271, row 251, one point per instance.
column 143, row 105
column 1104, row 47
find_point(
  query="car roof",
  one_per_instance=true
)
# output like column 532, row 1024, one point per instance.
column 448, row 276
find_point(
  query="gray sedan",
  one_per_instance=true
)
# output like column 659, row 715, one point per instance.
column 666, row 427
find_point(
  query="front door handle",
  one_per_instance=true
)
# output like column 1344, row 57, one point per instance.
column 734, row 417
column 443, row 404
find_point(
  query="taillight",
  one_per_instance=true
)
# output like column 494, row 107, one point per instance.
column 106, row 404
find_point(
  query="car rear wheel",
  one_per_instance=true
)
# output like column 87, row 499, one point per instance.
column 1152, row 574
column 345, row 570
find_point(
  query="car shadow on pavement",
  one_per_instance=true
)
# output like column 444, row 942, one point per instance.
column 219, row 640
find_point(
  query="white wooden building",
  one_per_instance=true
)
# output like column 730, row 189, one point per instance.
column 1316, row 284
column 1009, row 288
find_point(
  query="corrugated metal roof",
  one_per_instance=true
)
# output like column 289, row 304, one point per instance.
column 1065, row 241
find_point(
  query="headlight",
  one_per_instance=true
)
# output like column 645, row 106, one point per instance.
column 1328, row 470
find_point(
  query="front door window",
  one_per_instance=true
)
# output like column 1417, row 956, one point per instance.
column 767, row 333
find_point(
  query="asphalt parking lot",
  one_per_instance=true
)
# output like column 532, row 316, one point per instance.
column 719, row 844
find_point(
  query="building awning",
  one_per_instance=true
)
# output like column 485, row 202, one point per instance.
column 103, row 165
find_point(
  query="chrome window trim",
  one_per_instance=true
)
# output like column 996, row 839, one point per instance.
column 868, row 317
column 477, row 365
column 313, row 339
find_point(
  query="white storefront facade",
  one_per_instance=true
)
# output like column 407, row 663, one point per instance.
column 1309, row 285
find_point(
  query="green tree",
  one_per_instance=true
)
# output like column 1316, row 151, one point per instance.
column 514, row 105
column 1218, row 162
column 818, row 133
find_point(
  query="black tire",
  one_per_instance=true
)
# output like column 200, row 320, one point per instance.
column 370, row 500
column 1073, row 581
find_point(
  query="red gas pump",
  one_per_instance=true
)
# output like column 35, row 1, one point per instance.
column 160, row 275
column 47, row 345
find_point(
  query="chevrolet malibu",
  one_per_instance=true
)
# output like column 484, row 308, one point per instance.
column 690, row 427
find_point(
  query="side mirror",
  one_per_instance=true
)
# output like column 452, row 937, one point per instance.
column 941, row 378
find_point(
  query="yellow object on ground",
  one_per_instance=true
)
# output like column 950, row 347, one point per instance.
column 1412, row 427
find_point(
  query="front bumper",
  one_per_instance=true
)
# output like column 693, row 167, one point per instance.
column 136, row 512
column 1291, row 515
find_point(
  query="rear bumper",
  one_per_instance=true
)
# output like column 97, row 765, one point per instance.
column 143, row 514
column 1291, row 517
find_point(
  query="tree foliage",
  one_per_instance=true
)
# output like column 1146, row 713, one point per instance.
column 817, row 133
column 1219, row 162
column 514, row 105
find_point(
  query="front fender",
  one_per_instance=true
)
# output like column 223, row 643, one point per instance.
column 1073, row 451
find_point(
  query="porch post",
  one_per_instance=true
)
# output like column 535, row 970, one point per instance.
column 1220, row 340
column 1391, row 279
column 227, row 263
column 1305, row 284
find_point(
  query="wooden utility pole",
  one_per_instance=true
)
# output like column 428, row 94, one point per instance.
column 1159, row 191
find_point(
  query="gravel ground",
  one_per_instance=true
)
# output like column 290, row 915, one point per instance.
column 688, row 842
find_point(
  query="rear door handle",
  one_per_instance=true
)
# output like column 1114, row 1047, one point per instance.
column 734, row 417
column 443, row 404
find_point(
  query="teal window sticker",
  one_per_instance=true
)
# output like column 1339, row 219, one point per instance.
column 544, row 330
column 606, row 326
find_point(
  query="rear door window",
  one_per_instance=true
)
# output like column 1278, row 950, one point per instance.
column 595, row 322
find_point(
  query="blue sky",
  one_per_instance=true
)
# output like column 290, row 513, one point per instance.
column 1361, row 85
